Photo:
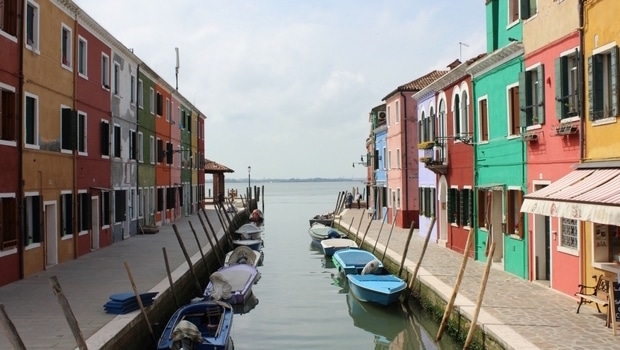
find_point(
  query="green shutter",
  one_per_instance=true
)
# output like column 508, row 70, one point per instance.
column 561, row 87
column 433, row 134
column 523, row 94
column 420, row 131
column 525, row 9
column 614, row 81
column 540, row 109
column 450, row 204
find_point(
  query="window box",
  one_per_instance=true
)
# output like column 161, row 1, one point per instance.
column 530, row 136
column 426, row 145
column 426, row 160
column 566, row 129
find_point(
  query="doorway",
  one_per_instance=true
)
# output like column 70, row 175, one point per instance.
column 443, row 211
column 51, row 233
column 94, row 238
column 542, row 244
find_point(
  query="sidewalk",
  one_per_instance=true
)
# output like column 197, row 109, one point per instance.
column 522, row 314
column 88, row 281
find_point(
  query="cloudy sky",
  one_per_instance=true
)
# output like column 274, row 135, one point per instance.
column 287, row 85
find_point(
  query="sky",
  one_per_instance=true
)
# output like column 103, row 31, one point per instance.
column 287, row 85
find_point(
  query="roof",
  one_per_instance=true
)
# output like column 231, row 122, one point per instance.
column 419, row 83
column 212, row 167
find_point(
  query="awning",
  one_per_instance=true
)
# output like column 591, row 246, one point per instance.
column 585, row 194
column 491, row 187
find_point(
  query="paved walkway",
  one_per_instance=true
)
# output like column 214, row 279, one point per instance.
column 523, row 314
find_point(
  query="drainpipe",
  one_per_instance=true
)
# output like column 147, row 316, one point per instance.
column 581, row 93
column 139, row 147
column 76, row 196
column 20, row 146
column 406, row 160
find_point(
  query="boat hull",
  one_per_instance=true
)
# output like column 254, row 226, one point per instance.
column 332, row 245
column 241, row 277
column 255, row 244
column 200, row 314
column 379, row 289
column 319, row 232
column 352, row 261
column 250, row 231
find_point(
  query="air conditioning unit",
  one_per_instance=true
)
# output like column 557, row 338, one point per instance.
column 381, row 115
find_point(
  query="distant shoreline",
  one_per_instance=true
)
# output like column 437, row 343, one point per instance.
column 291, row 180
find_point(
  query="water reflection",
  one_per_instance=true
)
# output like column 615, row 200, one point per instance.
column 246, row 307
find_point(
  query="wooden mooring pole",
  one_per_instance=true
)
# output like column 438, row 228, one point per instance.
column 66, row 309
column 10, row 330
column 483, row 285
column 187, row 258
column 378, row 235
column 359, row 225
column 142, row 309
column 417, row 266
column 402, row 260
column 389, row 236
column 457, row 285
column 174, row 294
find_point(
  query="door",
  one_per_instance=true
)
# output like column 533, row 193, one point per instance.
column 443, row 211
column 94, row 238
column 51, row 233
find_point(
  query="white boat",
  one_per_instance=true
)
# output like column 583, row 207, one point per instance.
column 332, row 245
column 243, row 255
column 250, row 231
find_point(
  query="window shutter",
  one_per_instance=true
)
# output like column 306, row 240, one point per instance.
column 525, row 9
column 420, row 131
column 614, row 81
column 433, row 203
column 597, row 87
column 433, row 135
column 523, row 93
column 421, row 200
column 134, row 145
column 169, row 153
column 591, row 87
column 105, row 138
column 540, row 108
column 160, row 150
column 67, row 129
column 561, row 87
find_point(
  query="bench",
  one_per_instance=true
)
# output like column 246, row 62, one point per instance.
column 598, row 294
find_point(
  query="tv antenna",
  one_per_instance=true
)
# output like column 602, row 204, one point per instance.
column 461, row 44
column 176, row 69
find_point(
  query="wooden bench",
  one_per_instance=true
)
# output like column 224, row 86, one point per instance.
column 598, row 294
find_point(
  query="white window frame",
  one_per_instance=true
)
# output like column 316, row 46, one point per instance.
column 511, row 23
column 398, row 158
column 464, row 115
column 140, row 97
column 140, row 146
column 82, row 63
column 68, row 46
column 397, row 112
column 82, row 134
column 564, row 249
column 509, row 111
column 117, row 79
column 152, row 149
column 152, row 101
column 105, row 71
column 36, row 144
column 35, row 44
column 168, row 109
column 480, row 140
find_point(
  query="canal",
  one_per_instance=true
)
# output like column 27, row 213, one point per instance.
column 298, row 303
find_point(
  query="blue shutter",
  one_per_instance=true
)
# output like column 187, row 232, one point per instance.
column 614, row 81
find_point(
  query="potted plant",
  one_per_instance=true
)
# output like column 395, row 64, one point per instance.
column 426, row 145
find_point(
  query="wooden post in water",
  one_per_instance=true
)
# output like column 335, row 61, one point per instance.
column 365, row 233
column 359, row 225
column 202, row 255
column 402, row 261
column 220, row 258
column 337, row 204
column 417, row 266
column 137, row 294
column 226, row 234
column 389, row 236
column 483, row 285
column 262, row 201
column 457, row 285
column 379, row 235
column 174, row 294
column 10, row 330
column 351, row 224
column 220, row 217
column 187, row 258
column 66, row 309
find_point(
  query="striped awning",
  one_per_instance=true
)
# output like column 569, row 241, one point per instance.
column 584, row 194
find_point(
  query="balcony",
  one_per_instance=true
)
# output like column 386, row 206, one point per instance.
column 435, row 160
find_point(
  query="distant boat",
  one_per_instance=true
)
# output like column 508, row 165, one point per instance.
column 202, row 325
column 332, row 245
column 319, row 232
column 250, row 231
column 326, row 219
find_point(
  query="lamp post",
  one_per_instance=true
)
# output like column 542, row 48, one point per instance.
column 249, row 184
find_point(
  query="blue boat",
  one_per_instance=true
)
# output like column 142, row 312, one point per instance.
column 202, row 325
column 383, row 289
column 353, row 261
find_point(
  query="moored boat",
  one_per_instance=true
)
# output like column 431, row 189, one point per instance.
column 243, row 255
column 332, row 245
column 202, row 325
column 250, row 231
column 254, row 244
column 353, row 261
column 326, row 219
column 232, row 284
column 319, row 232
column 383, row 289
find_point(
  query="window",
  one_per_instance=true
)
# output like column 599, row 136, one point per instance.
column 425, row 126
column 117, row 141
column 602, row 77
column 389, row 160
column 120, row 203
column 132, row 90
column 160, row 104
column 8, row 18
column 441, row 120
column 84, row 208
column 105, row 208
column 397, row 111
column 566, row 86
column 569, row 235
column 385, row 157
column 140, row 149
column 513, row 11
column 532, row 100
column 160, row 150
column 484, row 200
column 81, row 132
column 513, row 110
column 8, row 222
column 160, row 199
column 152, row 149
column 8, row 114
column 69, row 129
column 105, row 138
column 66, row 214
column 467, row 207
column 152, row 101
column 33, row 222
column 514, row 224
column 398, row 158
column 427, row 201
column 132, row 201
column 32, row 26
column 464, row 115
column 31, row 121
column 105, row 71
column 453, row 206
column 456, row 109
column 140, row 94
column 171, row 197
column 169, row 153
column 483, row 119
column 133, row 145
column 168, row 110
column 117, row 79
column 529, row 8
column 66, row 46
column 398, row 198
column 82, row 57
column 140, row 203
column 389, row 117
